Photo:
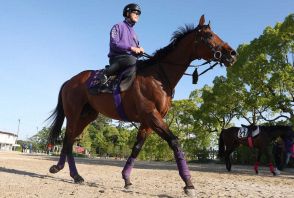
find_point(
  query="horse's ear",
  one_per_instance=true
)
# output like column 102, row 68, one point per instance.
column 201, row 20
column 209, row 24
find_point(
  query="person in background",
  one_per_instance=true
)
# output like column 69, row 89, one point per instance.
column 289, row 147
column 31, row 147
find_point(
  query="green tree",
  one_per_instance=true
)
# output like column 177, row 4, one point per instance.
column 265, row 74
column 40, row 140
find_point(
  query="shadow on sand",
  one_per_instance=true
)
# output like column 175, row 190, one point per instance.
column 210, row 167
column 40, row 176
column 90, row 184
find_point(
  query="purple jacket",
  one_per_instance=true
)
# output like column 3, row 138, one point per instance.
column 122, row 38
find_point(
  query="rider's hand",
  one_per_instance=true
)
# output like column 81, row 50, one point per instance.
column 141, row 50
column 137, row 50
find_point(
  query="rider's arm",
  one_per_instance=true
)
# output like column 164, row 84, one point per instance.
column 116, row 42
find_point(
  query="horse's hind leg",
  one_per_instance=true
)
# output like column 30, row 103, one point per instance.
column 73, row 129
column 143, row 133
column 60, row 165
column 62, row 159
column 79, row 127
column 65, row 152
column 269, row 156
column 68, row 146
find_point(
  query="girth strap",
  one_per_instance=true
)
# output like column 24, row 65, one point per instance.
column 250, row 142
column 118, row 103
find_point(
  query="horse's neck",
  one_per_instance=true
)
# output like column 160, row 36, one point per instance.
column 175, row 64
column 275, row 131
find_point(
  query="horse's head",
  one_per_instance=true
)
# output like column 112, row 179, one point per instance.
column 210, row 47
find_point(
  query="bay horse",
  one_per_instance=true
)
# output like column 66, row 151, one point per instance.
column 229, row 140
column 146, row 102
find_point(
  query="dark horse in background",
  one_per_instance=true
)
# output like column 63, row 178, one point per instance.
column 146, row 102
column 230, row 139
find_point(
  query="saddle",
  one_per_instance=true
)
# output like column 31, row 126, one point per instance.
column 121, row 82
column 244, row 133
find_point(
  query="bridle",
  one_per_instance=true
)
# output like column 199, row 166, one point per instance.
column 206, row 39
column 216, row 50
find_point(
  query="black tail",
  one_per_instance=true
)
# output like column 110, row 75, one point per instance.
column 221, row 146
column 58, row 117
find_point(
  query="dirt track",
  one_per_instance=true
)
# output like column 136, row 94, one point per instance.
column 23, row 175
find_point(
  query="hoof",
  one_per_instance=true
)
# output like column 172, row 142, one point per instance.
column 128, row 184
column 78, row 179
column 228, row 169
column 54, row 169
column 190, row 191
column 128, row 187
column 276, row 172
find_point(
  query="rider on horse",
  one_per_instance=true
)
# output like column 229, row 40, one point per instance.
column 124, row 45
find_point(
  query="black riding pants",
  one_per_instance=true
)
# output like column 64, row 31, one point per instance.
column 120, row 62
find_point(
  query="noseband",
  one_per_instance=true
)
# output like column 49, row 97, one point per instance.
column 216, row 50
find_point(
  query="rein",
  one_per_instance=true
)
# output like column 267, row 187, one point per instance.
column 194, row 75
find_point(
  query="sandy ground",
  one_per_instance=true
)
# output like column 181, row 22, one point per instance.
column 24, row 175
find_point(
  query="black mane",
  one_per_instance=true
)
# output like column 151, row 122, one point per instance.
column 176, row 37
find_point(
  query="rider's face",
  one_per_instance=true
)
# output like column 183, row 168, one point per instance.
column 134, row 16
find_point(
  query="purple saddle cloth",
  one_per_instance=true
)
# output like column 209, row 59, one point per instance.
column 121, row 81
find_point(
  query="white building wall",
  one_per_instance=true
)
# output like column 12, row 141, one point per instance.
column 7, row 140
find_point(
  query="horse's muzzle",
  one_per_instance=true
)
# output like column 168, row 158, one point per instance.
column 230, row 59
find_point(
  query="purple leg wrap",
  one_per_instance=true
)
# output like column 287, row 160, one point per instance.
column 182, row 165
column 128, row 168
column 61, row 161
column 72, row 165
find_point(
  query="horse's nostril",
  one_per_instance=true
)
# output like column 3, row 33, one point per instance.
column 233, row 53
column 217, row 55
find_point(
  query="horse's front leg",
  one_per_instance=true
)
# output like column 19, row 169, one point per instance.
column 257, row 161
column 156, row 123
column 181, row 162
column 143, row 133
